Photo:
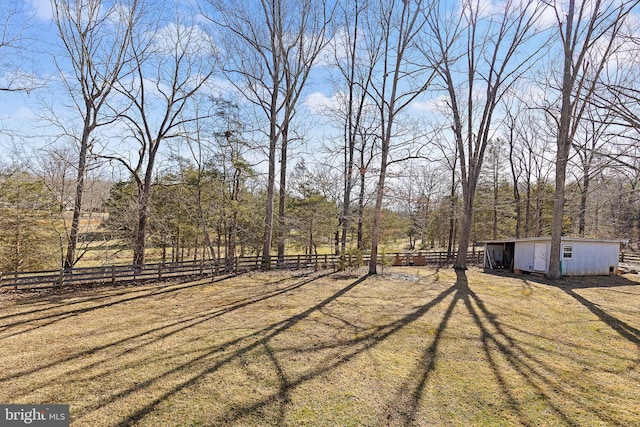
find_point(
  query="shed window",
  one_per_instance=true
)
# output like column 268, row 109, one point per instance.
column 567, row 252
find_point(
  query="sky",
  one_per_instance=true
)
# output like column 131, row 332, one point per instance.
column 23, row 114
column 21, row 123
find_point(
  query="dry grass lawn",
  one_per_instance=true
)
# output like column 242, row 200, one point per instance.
column 413, row 346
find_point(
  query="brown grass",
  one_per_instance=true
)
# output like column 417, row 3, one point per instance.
column 414, row 346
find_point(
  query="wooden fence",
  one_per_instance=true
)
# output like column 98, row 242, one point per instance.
column 630, row 257
column 122, row 274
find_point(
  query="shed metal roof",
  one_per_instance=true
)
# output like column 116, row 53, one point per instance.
column 564, row 239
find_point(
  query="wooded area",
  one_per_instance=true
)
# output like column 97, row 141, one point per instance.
column 167, row 131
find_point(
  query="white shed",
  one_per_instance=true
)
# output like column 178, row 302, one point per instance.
column 578, row 256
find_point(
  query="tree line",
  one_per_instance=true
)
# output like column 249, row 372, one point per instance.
column 446, row 122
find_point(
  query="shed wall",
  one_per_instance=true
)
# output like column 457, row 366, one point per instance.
column 590, row 258
column 524, row 256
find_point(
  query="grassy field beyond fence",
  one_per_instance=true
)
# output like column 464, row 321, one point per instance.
column 413, row 346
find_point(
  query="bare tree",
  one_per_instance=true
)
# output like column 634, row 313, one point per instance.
column 398, row 29
column 416, row 192
column 496, row 166
column 619, row 96
column 271, row 47
column 96, row 37
column 14, row 43
column 483, row 51
column 589, row 34
column 169, row 67
column 526, row 136
column 366, row 154
column 591, row 146
column 515, row 166
column 355, row 62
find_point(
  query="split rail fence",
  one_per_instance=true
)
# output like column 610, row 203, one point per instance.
column 630, row 257
column 123, row 274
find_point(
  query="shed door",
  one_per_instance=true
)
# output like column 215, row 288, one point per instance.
column 539, row 256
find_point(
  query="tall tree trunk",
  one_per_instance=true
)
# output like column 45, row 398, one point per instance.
column 495, row 210
column 558, row 209
column 518, row 200
column 139, row 244
column 465, row 231
column 345, row 218
column 361, row 210
column 144, row 197
column 452, row 220
column 375, row 239
column 70, row 258
column 539, row 195
column 350, row 139
column 563, row 143
column 282, row 232
column 514, row 178
column 233, row 226
column 580, row 78
column 527, row 209
column 94, row 68
column 268, row 218
column 583, row 200
column 203, row 224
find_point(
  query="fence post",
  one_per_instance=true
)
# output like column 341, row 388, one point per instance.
column 160, row 271
column 298, row 263
column 60, row 279
column 113, row 274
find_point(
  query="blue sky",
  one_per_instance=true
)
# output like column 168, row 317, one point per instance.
column 20, row 112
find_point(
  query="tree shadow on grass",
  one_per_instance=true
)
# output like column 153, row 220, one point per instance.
column 404, row 407
column 158, row 333
column 267, row 334
column 621, row 327
column 352, row 348
column 499, row 345
column 531, row 369
column 46, row 315
column 501, row 349
column 505, row 355
column 54, row 298
column 538, row 374
column 570, row 285
column 403, row 410
column 51, row 314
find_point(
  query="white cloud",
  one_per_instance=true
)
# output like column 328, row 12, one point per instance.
column 320, row 104
column 488, row 7
column 42, row 9
column 24, row 113
column 191, row 40
column 434, row 105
